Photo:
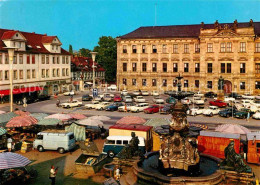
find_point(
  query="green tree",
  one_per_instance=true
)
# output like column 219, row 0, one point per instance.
column 70, row 49
column 107, row 56
column 85, row 52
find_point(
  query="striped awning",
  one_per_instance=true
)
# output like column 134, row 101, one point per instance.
column 2, row 131
column 12, row 160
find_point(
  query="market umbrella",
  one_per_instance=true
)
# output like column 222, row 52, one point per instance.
column 2, row 131
column 2, row 112
column 101, row 118
column 155, row 122
column 62, row 117
column 12, row 160
column 49, row 121
column 4, row 118
column 128, row 120
column 22, row 121
column 21, row 113
column 90, row 122
column 232, row 128
column 77, row 116
column 39, row 116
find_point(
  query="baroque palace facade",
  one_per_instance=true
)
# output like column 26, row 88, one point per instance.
column 149, row 58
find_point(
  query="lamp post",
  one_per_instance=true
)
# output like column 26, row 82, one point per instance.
column 11, row 58
column 93, row 54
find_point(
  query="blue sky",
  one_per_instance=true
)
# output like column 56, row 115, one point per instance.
column 82, row 22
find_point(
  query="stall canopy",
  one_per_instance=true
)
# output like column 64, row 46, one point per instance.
column 90, row 122
column 2, row 131
column 22, row 121
column 62, row 117
column 21, row 90
column 101, row 118
column 49, row 122
column 21, row 113
column 4, row 118
column 2, row 112
column 155, row 122
column 12, row 160
column 233, row 129
column 128, row 120
column 79, row 131
column 77, row 116
column 39, row 116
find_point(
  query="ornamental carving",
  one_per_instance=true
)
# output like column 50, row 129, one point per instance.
column 134, row 59
column 226, row 59
column 257, row 58
column 196, row 59
column 144, row 59
column 154, row 59
column 242, row 59
column 124, row 59
column 185, row 59
column 175, row 59
column 165, row 59
column 209, row 59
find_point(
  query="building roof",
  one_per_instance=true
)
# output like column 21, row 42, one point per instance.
column 180, row 31
column 131, row 127
column 34, row 40
column 85, row 63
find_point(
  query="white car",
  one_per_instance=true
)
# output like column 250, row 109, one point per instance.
column 198, row 94
column 112, row 87
column 257, row 115
column 74, row 103
column 155, row 93
column 228, row 99
column 158, row 100
column 98, row 98
column 124, row 92
column 106, row 94
column 253, row 108
column 212, row 110
column 139, row 107
column 198, row 101
column 256, row 103
column 195, row 111
column 136, row 92
column 186, row 101
column 248, row 96
column 127, row 107
column 92, row 105
column 139, row 99
column 127, row 99
column 246, row 103
column 69, row 93
column 145, row 93
column 101, row 106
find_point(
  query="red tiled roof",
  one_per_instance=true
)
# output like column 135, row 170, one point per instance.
column 179, row 31
column 47, row 39
column 86, row 63
column 33, row 39
column 131, row 127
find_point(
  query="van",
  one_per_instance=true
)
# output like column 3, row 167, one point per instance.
column 114, row 144
column 59, row 140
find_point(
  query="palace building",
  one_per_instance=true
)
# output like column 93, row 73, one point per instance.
column 149, row 58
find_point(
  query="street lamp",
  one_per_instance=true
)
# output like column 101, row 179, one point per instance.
column 93, row 54
column 11, row 58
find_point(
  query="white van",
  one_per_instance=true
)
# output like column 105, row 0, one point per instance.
column 59, row 140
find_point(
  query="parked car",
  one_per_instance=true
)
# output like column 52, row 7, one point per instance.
column 166, row 109
column 195, row 111
column 107, row 94
column 71, row 104
column 228, row 112
column 102, row 105
column 117, row 98
column 139, row 107
column 257, row 115
column 212, row 110
column 127, row 99
column 139, row 99
column 170, row 92
column 70, row 93
column 158, row 100
column 198, row 94
column 86, row 97
column 126, row 107
column 107, row 98
column 235, row 95
column 246, row 103
column 97, row 98
column 186, row 101
column 155, row 93
column 112, row 87
column 218, row 103
column 171, row 100
column 256, row 103
column 114, row 106
column 248, row 96
column 92, row 105
column 210, row 94
column 198, row 100
column 136, row 92
column 145, row 93
column 242, row 113
column 152, row 109
column 228, row 99
column 124, row 92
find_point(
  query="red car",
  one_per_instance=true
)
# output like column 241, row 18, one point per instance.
column 152, row 109
column 117, row 98
column 218, row 103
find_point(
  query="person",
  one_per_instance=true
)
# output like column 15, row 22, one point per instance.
column 117, row 173
column 58, row 103
column 53, row 173
column 9, row 144
column 248, row 116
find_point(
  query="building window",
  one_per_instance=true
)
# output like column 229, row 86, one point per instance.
column 143, row 49
column 186, row 67
column 43, row 59
column 174, row 83
column 43, row 73
column 67, row 60
column 242, row 85
column 209, row 84
column 134, row 67
column 1, row 58
column 124, row 48
column 20, row 59
column 242, row 47
column 6, row 59
column 186, row 83
column 223, row 68
column 47, row 59
column 52, row 47
column 28, row 59
column 229, row 47
column 28, row 74
column 223, row 47
column 197, row 83
column 33, row 73
column 164, row 48
column 164, row 82
column 64, row 74
column 175, row 48
column 15, row 60
column 63, row 60
column 134, row 49
column 154, row 67
column 134, row 82
column 57, row 47
column 257, row 68
column 58, row 73
column 124, row 67
column 175, row 67
column 124, row 81
column 20, row 74
column 242, row 67
column 47, row 73
column 197, row 48
column 257, row 47
column 210, row 48
column 228, row 67
column 15, row 75
column 197, row 67
column 186, row 48
column 144, row 82
column 58, row 60
column 53, row 60
column 209, row 67
column 154, row 82
column 144, row 67
column 164, row 67
column 53, row 73
column 1, row 75
column 67, row 72
column 154, row 49
column 257, row 85
column 6, row 75
column 33, row 59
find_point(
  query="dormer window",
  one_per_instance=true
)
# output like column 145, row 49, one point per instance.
column 39, row 47
column 29, row 46
column 16, row 35
column 52, row 47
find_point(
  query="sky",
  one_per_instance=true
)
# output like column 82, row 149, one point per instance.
column 81, row 22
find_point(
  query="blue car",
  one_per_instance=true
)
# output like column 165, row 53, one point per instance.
column 114, row 106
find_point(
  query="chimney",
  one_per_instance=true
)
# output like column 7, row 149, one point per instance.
column 202, row 25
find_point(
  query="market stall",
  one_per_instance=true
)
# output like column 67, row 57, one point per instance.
column 3, row 138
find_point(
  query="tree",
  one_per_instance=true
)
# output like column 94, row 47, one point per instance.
column 107, row 56
column 85, row 52
column 70, row 49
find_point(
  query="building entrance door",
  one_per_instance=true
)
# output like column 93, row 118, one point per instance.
column 227, row 87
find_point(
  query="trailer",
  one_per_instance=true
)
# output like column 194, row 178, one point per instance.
column 253, row 152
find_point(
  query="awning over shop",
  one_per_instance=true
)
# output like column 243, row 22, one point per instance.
column 76, row 83
column 21, row 90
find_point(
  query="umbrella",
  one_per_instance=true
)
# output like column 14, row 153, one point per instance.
column 62, row 117
column 155, row 122
column 39, row 116
column 12, row 160
column 22, row 113
column 128, row 120
column 90, row 122
column 101, row 118
column 77, row 116
column 232, row 128
column 2, row 131
column 22, row 121
column 2, row 112
column 49, row 121
column 4, row 118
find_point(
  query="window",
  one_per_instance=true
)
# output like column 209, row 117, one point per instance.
column 20, row 59
column 53, row 73
column 14, row 60
column 134, row 67
column 144, row 67
column 33, row 59
column 15, row 75
column 175, row 48
column 143, row 49
column 33, row 73
column 124, row 81
column 57, row 47
column 21, row 74
column 28, row 74
column 197, row 67
column 53, row 60
column 197, row 48
column 209, row 84
column 58, row 60
column 47, row 73
column 186, row 48
column 223, row 68
column 164, row 48
column 186, row 67
column 1, row 59
column 125, row 142
column 43, row 73
column 210, row 48
column 154, row 82
column 28, row 59
column 63, row 60
column 154, row 67
column 134, row 82
column 47, row 59
column 118, row 142
column 58, row 73
column 242, row 85
column 67, row 60
column 67, row 72
column 1, row 75
column 229, row 47
column 144, row 82
column 40, row 137
column 124, row 67
column 257, row 85
column 242, row 67
column 124, row 48
column 223, row 47
column 111, row 142
column 164, row 82
column 164, row 67
column 242, row 47
column 228, row 67
column 257, row 68
column 52, row 47
column 134, row 48
column 257, row 47
column 197, row 83
column 174, row 83
column 186, row 83
column 6, row 59
column 6, row 75
column 209, row 67
column 175, row 67
column 154, row 49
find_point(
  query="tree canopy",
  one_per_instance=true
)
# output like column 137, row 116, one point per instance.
column 70, row 49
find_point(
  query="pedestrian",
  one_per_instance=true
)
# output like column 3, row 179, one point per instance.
column 53, row 173
column 9, row 144
column 248, row 116
column 58, row 103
